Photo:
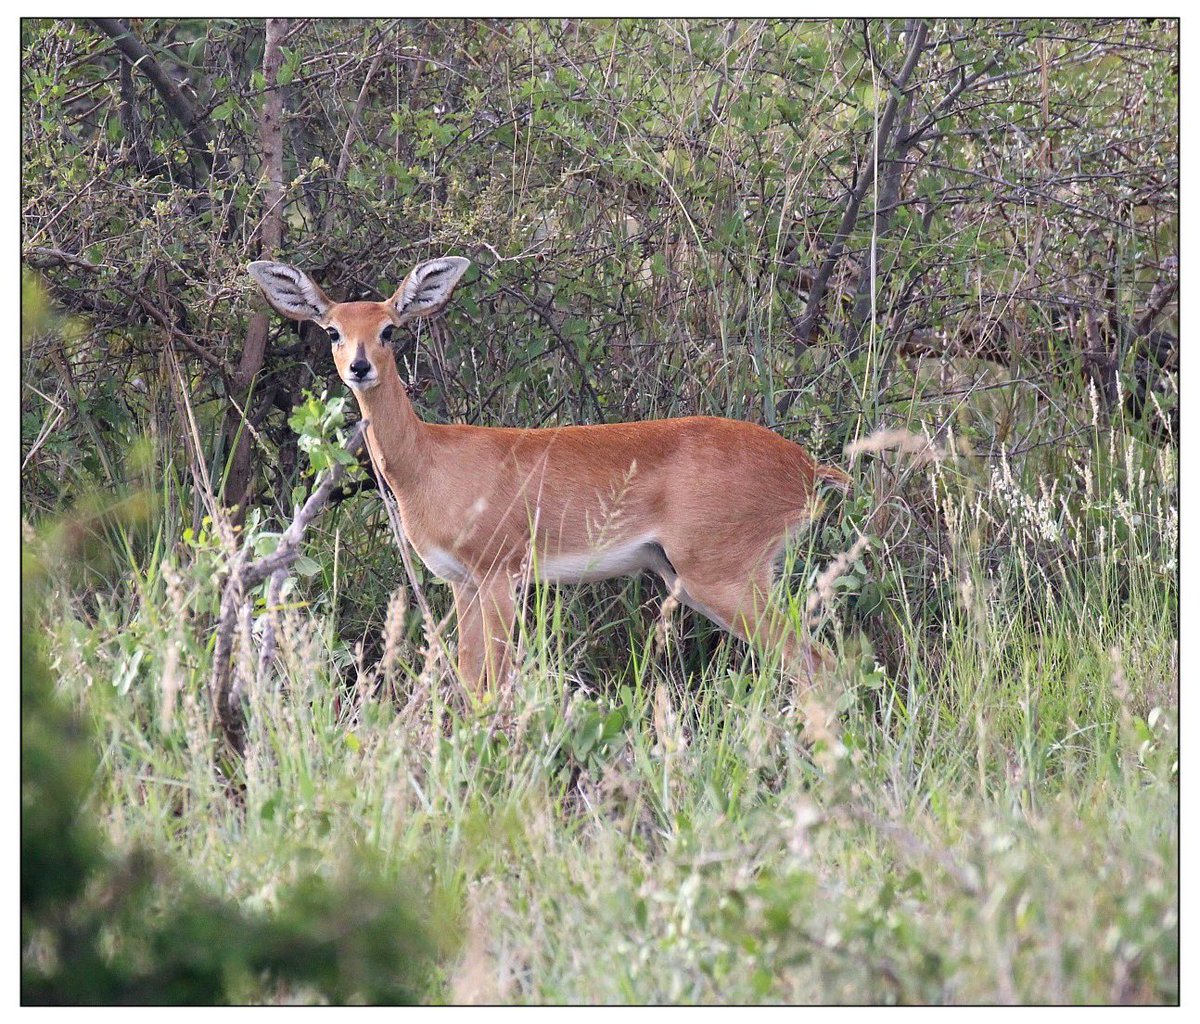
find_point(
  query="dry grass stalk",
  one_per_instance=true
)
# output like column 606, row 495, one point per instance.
column 918, row 447
column 171, row 682
column 821, row 596
column 393, row 641
column 474, row 982
column 663, row 630
column 670, row 736
column 820, row 729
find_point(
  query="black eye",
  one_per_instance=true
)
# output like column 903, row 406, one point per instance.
column 386, row 333
column 333, row 334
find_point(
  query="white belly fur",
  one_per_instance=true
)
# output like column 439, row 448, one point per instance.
column 622, row 559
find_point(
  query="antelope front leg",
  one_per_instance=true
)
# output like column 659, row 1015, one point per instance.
column 498, row 608
column 470, row 635
column 485, row 613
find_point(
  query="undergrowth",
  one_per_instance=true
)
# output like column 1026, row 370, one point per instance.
column 645, row 815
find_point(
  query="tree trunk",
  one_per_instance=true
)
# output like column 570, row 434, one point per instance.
column 239, row 484
column 866, row 178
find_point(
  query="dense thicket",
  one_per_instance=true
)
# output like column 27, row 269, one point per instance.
column 667, row 217
column 942, row 254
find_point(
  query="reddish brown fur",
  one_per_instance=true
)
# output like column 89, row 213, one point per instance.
column 717, row 497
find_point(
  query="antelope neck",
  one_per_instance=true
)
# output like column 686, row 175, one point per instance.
column 395, row 433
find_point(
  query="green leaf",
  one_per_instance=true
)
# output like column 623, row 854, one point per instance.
column 306, row 566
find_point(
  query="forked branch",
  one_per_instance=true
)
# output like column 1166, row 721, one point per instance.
column 854, row 198
column 226, row 687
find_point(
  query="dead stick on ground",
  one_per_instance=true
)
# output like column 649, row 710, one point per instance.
column 226, row 685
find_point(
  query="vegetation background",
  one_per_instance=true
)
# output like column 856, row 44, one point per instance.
column 942, row 254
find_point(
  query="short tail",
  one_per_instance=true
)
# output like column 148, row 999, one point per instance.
column 834, row 478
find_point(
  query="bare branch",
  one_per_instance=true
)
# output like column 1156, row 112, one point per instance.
column 1162, row 293
column 178, row 104
column 854, row 200
column 241, row 475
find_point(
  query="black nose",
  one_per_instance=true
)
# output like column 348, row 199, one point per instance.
column 360, row 367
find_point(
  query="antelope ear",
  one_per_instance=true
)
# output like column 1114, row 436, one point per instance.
column 427, row 287
column 291, row 292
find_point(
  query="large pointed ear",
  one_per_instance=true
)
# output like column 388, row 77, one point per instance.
column 427, row 287
column 291, row 292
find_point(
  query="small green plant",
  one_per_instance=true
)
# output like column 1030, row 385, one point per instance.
column 319, row 423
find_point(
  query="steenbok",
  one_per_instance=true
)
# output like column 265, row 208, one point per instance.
column 707, row 503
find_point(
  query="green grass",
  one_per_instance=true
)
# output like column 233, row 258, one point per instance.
column 992, row 819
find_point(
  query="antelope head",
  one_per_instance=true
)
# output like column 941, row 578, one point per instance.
column 360, row 332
